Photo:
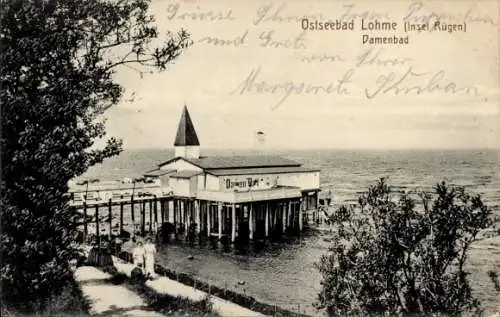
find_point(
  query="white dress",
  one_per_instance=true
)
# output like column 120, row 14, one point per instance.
column 138, row 255
column 149, row 257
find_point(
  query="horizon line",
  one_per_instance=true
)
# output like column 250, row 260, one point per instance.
column 327, row 149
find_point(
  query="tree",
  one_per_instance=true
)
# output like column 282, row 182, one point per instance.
column 57, row 63
column 396, row 257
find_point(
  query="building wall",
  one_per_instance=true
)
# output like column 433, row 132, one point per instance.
column 181, row 186
column 165, row 183
column 187, row 151
column 213, row 182
column 200, row 181
column 193, row 185
column 180, row 165
column 304, row 180
column 208, row 182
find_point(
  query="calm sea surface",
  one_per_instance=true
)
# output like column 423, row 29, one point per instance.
column 285, row 275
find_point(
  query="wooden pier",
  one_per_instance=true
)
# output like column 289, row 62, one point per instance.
column 150, row 215
column 226, row 198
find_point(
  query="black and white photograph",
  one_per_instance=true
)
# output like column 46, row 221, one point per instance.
column 240, row 158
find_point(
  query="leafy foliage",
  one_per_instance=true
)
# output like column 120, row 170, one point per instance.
column 393, row 257
column 57, row 64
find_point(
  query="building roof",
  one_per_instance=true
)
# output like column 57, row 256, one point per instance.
column 184, row 174
column 157, row 173
column 233, row 162
column 262, row 170
column 186, row 134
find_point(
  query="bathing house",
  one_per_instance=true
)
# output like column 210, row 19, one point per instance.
column 238, row 197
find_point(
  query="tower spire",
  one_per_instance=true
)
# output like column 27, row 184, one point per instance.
column 186, row 141
column 186, row 134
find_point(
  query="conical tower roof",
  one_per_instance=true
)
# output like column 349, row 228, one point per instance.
column 186, row 135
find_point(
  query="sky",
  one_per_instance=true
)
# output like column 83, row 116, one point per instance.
column 257, row 69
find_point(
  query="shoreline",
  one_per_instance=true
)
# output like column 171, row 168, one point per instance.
column 243, row 300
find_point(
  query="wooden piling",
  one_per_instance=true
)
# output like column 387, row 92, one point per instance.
column 184, row 215
column 209, row 217
column 150, row 216
column 98, row 237
column 233, row 223
column 250, row 221
column 110, row 218
column 267, row 220
column 197, row 211
column 143, row 215
column 284, row 210
column 175, row 215
column 219, row 219
column 121, row 215
column 167, row 210
column 132, row 212
column 85, row 229
column 162, row 210
column 300, row 215
column 155, row 207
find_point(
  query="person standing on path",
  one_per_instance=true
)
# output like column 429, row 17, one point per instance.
column 149, row 257
column 138, row 255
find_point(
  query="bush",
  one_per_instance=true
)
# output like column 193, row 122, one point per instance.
column 390, row 256
column 69, row 302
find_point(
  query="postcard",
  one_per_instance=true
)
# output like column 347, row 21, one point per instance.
column 269, row 158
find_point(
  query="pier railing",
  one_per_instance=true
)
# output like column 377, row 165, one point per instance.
column 143, row 214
